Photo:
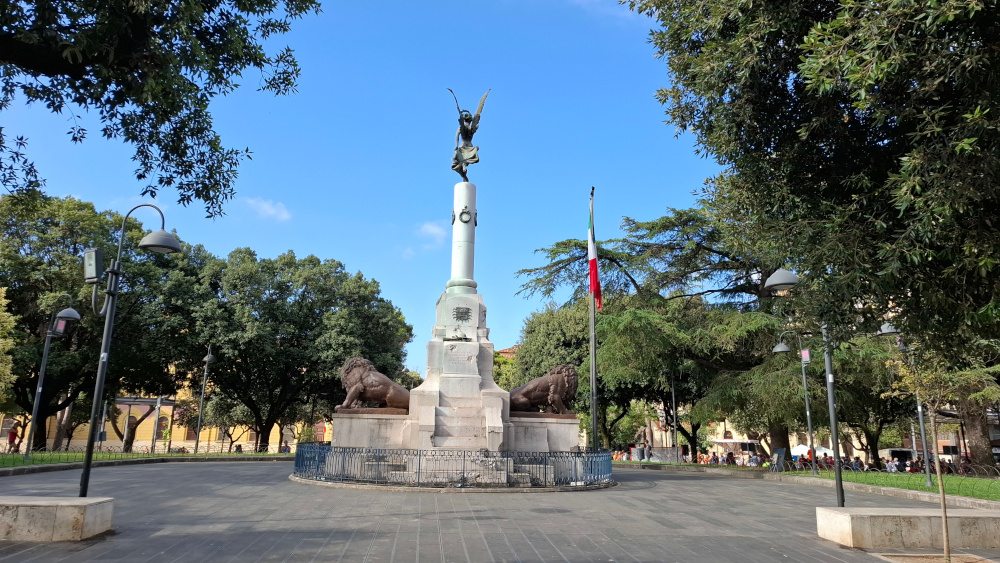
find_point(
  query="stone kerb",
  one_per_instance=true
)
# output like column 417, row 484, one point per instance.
column 911, row 528
column 46, row 519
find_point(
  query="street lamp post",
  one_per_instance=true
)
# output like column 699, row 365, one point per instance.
column 888, row 329
column 57, row 326
column 160, row 241
column 782, row 348
column 781, row 280
column 209, row 359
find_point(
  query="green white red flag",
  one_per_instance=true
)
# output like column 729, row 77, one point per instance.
column 595, row 282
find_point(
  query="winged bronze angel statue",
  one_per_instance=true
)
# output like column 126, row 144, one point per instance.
column 465, row 152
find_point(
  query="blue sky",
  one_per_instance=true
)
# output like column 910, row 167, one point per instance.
column 355, row 166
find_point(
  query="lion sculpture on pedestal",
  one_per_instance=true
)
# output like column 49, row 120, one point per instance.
column 552, row 391
column 364, row 383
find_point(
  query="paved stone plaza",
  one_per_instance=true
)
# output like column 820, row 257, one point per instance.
column 252, row 512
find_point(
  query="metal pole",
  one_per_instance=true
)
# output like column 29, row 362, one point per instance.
column 831, row 402
column 920, row 411
column 170, row 427
column 593, row 371
column 809, row 420
column 673, row 406
column 156, row 424
column 102, row 371
column 38, row 391
column 201, row 405
column 923, row 441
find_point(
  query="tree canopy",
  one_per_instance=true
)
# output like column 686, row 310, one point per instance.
column 7, row 323
column 41, row 252
column 859, row 141
column 282, row 328
column 149, row 70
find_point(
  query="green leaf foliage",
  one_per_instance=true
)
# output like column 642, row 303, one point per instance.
column 860, row 139
column 149, row 70
column 283, row 327
column 41, row 251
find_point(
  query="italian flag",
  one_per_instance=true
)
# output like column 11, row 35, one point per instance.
column 595, row 282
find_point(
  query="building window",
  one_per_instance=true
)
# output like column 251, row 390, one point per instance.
column 949, row 450
column 191, row 435
column 727, row 435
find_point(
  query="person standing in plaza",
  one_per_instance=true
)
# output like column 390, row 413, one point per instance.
column 12, row 437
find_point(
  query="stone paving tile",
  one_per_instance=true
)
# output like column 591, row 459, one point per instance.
column 252, row 512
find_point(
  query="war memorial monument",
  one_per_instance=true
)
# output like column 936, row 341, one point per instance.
column 457, row 428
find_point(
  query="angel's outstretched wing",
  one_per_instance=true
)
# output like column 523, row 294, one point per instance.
column 479, row 110
column 456, row 100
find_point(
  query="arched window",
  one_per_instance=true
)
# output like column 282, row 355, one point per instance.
column 728, row 435
column 161, row 428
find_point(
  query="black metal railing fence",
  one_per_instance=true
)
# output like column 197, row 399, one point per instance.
column 452, row 468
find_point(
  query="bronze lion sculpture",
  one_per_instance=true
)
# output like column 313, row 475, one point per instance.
column 552, row 391
column 364, row 383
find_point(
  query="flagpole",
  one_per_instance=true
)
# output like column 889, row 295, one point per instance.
column 593, row 372
column 595, row 441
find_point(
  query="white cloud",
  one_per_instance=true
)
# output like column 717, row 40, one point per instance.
column 267, row 208
column 435, row 231
column 408, row 253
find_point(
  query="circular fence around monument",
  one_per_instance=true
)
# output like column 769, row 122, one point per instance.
column 453, row 468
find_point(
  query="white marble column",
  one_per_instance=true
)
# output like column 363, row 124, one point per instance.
column 463, row 240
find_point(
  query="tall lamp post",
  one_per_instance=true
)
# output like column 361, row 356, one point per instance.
column 888, row 330
column 159, row 241
column 209, row 360
column 57, row 326
column 782, row 280
column 782, row 348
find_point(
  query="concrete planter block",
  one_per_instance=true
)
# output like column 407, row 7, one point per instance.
column 54, row 518
column 916, row 528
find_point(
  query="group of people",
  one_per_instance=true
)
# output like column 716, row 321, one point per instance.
column 640, row 453
column 948, row 466
column 804, row 462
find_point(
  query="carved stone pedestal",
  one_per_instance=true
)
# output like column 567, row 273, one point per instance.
column 459, row 406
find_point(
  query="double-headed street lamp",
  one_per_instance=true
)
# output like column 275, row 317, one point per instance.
column 782, row 280
column 782, row 348
column 159, row 241
column 888, row 330
column 209, row 360
column 57, row 326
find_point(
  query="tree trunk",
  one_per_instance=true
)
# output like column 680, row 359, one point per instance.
column 779, row 439
column 872, row 439
column 39, row 439
column 940, row 480
column 977, row 432
column 692, row 440
column 264, row 436
column 63, row 421
column 127, row 443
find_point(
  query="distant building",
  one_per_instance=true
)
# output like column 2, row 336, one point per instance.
column 509, row 353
